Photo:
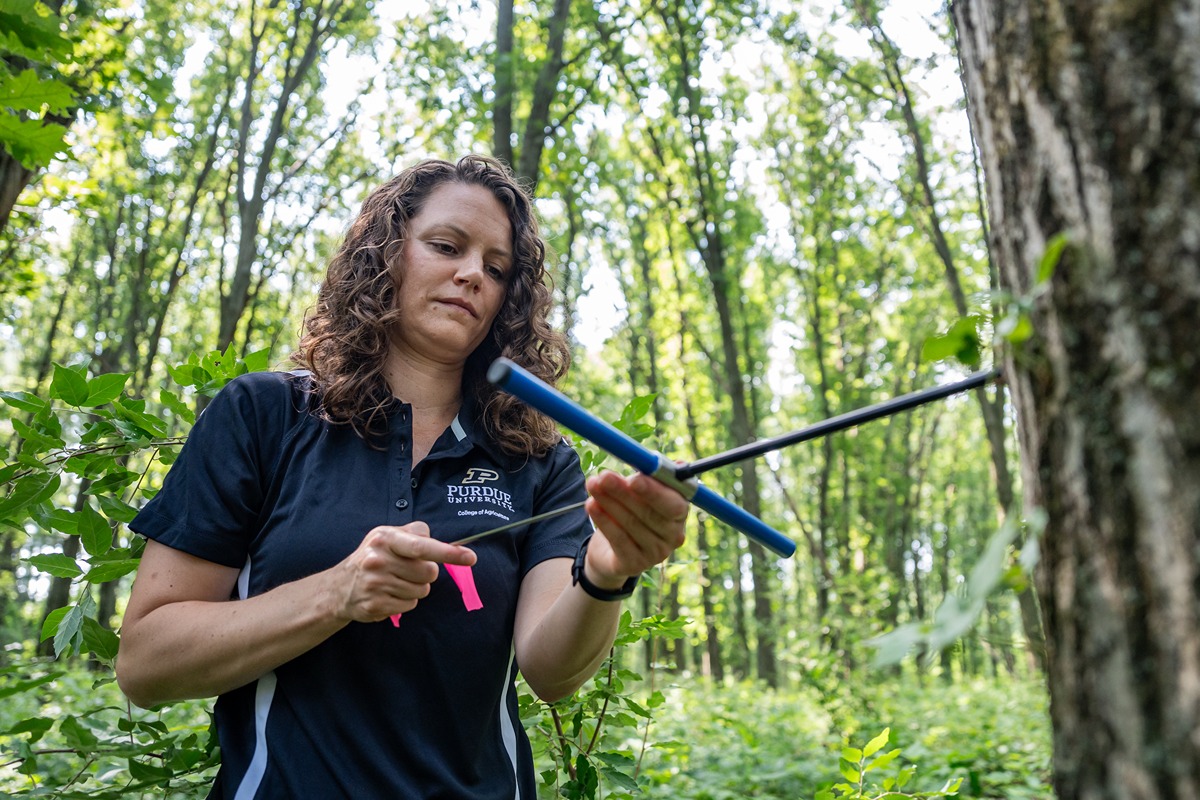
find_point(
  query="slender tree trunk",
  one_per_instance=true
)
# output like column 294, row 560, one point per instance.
column 1087, row 122
column 13, row 180
column 538, row 125
column 502, row 69
column 315, row 23
column 741, row 629
column 712, row 640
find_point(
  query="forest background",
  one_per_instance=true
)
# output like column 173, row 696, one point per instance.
column 763, row 214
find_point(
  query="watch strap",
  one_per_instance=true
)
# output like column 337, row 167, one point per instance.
column 578, row 576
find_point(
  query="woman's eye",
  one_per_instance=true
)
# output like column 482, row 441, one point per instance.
column 444, row 247
column 496, row 272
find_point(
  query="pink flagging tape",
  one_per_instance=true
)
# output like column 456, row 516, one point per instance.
column 466, row 584
column 465, row 581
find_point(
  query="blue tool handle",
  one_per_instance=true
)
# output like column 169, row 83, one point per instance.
column 517, row 381
column 742, row 520
column 554, row 404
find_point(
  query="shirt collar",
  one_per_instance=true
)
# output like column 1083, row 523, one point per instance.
column 466, row 431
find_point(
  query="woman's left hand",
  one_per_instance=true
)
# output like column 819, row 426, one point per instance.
column 641, row 522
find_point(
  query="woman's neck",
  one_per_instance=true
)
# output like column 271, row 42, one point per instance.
column 423, row 384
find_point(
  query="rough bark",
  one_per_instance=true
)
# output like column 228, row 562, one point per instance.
column 1088, row 120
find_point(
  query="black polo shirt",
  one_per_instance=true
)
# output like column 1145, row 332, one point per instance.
column 424, row 709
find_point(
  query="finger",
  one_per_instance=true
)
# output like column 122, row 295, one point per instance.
column 413, row 541
column 660, row 500
column 641, row 501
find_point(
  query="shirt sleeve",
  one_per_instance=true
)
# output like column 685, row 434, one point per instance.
column 559, row 537
column 211, row 500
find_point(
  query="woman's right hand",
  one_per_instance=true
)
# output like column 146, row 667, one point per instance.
column 392, row 568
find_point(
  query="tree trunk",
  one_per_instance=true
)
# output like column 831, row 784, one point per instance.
column 502, row 69
column 317, row 23
column 13, row 180
column 545, row 89
column 1086, row 116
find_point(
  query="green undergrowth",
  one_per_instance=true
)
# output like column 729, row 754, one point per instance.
column 66, row 731
column 73, row 735
column 712, row 743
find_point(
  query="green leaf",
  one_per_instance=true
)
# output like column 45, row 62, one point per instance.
column 893, row 646
column 961, row 342
column 69, row 635
column 257, row 361
column 1049, row 260
column 94, row 531
column 1016, row 327
column 849, row 770
column 115, row 479
column 29, row 25
column 152, row 427
column 24, row 401
column 30, row 141
column 28, row 491
column 50, row 624
column 27, row 92
column 105, row 388
column 69, row 386
column 37, row 440
column 110, row 571
column 141, row 771
column 189, row 374
column 37, row 726
column 56, row 564
column 619, row 779
column 876, row 744
column 117, row 509
column 26, row 685
column 100, row 640
column 635, row 409
column 885, row 759
column 76, row 734
column 180, row 409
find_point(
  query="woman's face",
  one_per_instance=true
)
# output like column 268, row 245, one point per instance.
column 454, row 272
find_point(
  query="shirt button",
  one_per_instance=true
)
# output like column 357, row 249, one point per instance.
column 414, row 483
column 401, row 504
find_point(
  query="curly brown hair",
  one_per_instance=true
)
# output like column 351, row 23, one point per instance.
column 346, row 336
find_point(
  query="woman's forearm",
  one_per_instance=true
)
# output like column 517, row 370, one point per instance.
column 569, row 640
column 200, row 648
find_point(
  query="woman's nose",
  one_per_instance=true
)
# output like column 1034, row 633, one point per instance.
column 470, row 269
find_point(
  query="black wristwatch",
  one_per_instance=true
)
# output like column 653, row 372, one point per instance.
column 579, row 577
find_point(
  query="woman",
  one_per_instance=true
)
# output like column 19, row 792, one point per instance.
column 292, row 566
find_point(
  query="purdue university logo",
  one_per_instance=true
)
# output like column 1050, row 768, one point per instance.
column 480, row 498
column 478, row 476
